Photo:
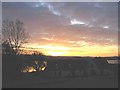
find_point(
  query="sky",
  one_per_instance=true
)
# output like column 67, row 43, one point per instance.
column 68, row 28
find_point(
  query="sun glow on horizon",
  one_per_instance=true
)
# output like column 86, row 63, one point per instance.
column 63, row 29
column 62, row 50
column 55, row 53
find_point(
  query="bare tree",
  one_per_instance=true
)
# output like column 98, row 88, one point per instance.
column 7, row 49
column 14, row 33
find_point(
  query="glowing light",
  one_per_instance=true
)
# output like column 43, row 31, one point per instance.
column 55, row 53
column 29, row 69
column 43, row 66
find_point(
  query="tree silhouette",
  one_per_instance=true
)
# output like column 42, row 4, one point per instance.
column 11, row 63
column 7, row 48
column 37, row 53
column 13, row 36
column 14, row 33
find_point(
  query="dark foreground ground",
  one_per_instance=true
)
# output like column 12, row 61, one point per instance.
column 77, row 82
column 12, row 78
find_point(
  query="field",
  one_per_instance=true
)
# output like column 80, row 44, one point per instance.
column 58, row 74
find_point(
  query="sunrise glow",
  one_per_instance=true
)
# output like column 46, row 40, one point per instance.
column 56, row 50
column 68, row 29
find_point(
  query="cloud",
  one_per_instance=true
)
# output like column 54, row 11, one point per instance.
column 106, row 27
column 67, row 21
column 74, row 22
column 49, row 6
column 49, row 39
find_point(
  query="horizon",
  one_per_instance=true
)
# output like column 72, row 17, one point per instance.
column 75, row 56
